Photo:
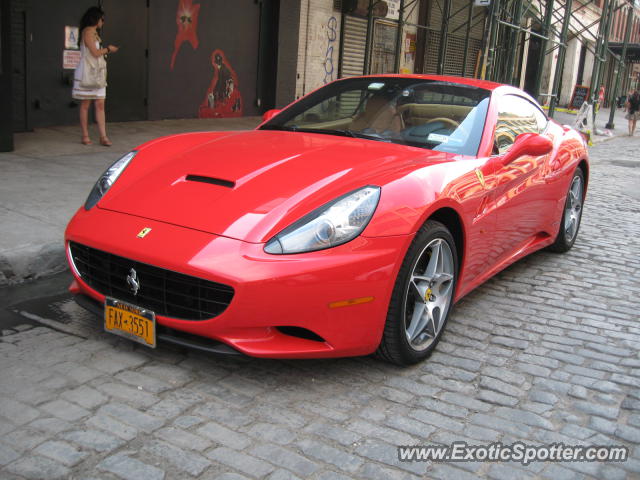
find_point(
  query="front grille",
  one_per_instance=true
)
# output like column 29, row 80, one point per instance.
column 166, row 293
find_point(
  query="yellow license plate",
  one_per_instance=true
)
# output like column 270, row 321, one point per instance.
column 129, row 321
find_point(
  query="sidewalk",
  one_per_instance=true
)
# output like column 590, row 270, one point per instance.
column 602, row 118
column 48, row 176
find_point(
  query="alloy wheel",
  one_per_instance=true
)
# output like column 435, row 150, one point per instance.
column 573, row 209
column 429, row 294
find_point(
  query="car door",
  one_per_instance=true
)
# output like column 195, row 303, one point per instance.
column 520, row 184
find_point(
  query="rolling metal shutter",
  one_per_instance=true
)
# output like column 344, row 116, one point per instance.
column 455, row 54
column 456, row 39
column 353, row 46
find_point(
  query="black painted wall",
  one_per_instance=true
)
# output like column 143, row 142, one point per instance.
column 141, row 83
column 48, row 99
column 126, row 27
column 6, row 127
column 19, row 64
column 288, row 38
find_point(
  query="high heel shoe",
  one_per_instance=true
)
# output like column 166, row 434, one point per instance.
column 105, row 142
column 86, row 141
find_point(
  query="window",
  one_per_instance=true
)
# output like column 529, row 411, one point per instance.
column 516, row 115
column 335, row 110
column 431, row 114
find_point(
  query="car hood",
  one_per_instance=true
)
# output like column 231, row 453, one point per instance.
column 250, row 185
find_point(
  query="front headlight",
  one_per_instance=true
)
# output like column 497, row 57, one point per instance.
column 333, row 224
column 107, row 179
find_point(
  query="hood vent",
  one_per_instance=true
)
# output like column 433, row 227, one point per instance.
column 211, row 180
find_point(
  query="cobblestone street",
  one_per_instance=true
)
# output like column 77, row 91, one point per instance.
column 547, row 351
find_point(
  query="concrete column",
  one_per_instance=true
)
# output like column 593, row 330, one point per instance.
column 570, row 71
column 588, row 65
column 546, row 83
column 525, row 55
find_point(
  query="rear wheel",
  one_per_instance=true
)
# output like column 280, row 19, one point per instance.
column 422, row 297
column 571, row 215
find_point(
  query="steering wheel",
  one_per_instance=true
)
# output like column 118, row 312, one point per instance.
column 452, row 123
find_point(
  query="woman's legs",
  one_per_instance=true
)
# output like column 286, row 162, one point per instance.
column 102, row 128
column 84, row 120
column 633, row 126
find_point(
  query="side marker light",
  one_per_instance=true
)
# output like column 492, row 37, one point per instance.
column 349, row 303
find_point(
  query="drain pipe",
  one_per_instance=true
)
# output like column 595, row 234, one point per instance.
column 306, row 52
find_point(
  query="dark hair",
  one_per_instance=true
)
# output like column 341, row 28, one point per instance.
column 91, row 17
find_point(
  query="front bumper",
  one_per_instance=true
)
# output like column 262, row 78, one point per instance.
column 164, row 334
column 313, row 291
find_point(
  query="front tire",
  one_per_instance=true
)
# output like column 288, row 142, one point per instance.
column 571, row 215
column 422, row 297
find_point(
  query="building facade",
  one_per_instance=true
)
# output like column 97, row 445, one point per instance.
column 339, row 38
column 176, row 58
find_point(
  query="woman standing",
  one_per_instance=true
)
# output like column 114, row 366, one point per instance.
column 633, row 111
column 90, row 24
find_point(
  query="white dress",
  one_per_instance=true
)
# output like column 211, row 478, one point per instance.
column 80, row 93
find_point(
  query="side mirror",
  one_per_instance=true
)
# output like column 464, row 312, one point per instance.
column 269, row 114
column 532, row 144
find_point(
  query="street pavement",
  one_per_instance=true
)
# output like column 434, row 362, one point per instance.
column 545, row 352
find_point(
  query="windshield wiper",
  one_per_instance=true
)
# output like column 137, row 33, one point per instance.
column 327, row 131
column 368, row 136
column 344, row 133
column 284, row 128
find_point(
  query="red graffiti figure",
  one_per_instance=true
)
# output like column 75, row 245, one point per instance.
column 187, row 21
column 223, row 97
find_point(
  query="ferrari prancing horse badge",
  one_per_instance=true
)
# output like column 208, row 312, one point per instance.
column 480, row 176
column 143, row 233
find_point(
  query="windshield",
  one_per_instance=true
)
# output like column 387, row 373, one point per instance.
column 442, row 116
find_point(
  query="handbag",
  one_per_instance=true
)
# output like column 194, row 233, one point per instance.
column 94, row 71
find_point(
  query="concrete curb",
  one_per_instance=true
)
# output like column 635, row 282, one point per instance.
column 31, row 262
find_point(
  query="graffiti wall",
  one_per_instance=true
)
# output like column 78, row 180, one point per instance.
column 203, row 58
column 223, row 97
column 318, row 46
column 187, row 27
column 319, row 42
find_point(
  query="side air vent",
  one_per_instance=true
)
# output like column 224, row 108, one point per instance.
column 300, row 333
column 211, row 180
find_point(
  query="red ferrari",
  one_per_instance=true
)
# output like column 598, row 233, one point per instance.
column 346, row 224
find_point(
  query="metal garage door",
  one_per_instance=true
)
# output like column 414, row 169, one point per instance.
column 456, row 38
column 353, row 46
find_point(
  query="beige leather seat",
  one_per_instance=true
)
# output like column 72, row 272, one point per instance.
column 380, row 114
